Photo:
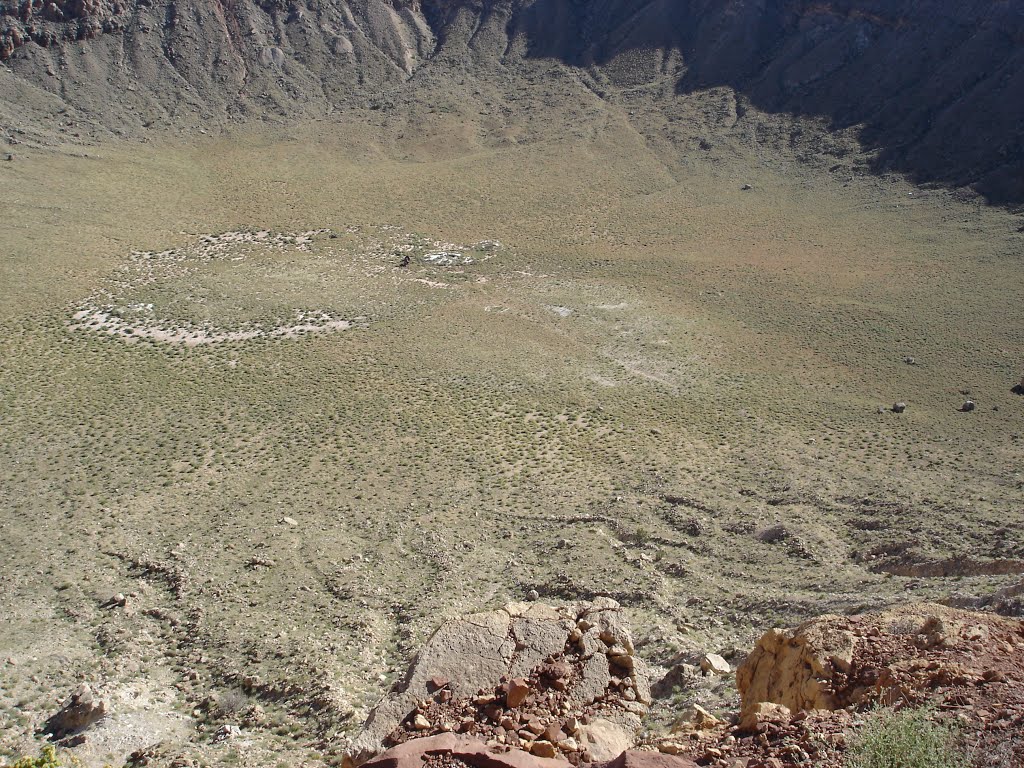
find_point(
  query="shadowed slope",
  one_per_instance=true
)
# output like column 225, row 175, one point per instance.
column 937, row 87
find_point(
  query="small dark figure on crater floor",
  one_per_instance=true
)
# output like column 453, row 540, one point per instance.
column 968, row 406
column 406, row 260
column 899, row 407
column 909, row 360
column 746, row 187
column 1019, row 389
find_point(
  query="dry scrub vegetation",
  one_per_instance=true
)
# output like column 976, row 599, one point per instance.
column 660, row 387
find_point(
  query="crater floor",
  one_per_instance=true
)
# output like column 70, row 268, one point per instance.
column 605, row 370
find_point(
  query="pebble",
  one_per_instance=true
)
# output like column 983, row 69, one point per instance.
column 554, row 733
column 536, row 727
column 543, row 748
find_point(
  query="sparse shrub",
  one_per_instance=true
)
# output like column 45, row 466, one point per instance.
column 232, row 702
column 906, row 739
column 47, row 759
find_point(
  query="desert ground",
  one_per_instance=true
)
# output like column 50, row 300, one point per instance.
column 249, row 461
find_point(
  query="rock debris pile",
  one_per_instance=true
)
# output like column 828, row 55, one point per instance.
column 565, row 686
column 805, row 691
column 551, row 681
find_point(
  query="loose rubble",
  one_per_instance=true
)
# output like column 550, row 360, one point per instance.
column 804, row 691
column 452, row 751
column 552, row 681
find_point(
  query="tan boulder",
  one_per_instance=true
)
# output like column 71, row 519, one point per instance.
column 827, row 663
column 543, row 748
column 605, row 740
column 79, row 711
column 694, row 718
column 795, row 668
column 713, row 664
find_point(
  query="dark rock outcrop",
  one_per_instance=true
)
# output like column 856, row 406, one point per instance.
column 936, row 89
column 81, row 710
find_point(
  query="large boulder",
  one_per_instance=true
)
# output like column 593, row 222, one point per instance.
column 605, row 740
column 905, row 654
column 796, row 668
column 78, row 712
column 479, row 671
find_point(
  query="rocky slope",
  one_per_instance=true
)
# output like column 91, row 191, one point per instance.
column 538, row 686
column 805, row 693
column 936, row 89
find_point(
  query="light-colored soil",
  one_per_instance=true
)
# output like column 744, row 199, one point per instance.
column 697, row 435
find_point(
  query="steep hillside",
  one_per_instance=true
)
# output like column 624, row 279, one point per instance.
column 935, row 89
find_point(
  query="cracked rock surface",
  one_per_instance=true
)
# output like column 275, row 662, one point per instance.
column 552, row 680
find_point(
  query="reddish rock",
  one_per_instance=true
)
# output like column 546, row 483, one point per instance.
column 518, row 690
column 557, row 670
column 535, row 726
column 459, row 750
column 554, row 733
column 487, row 679
column 436, row 683
column 993, row 676
column 633, row 758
